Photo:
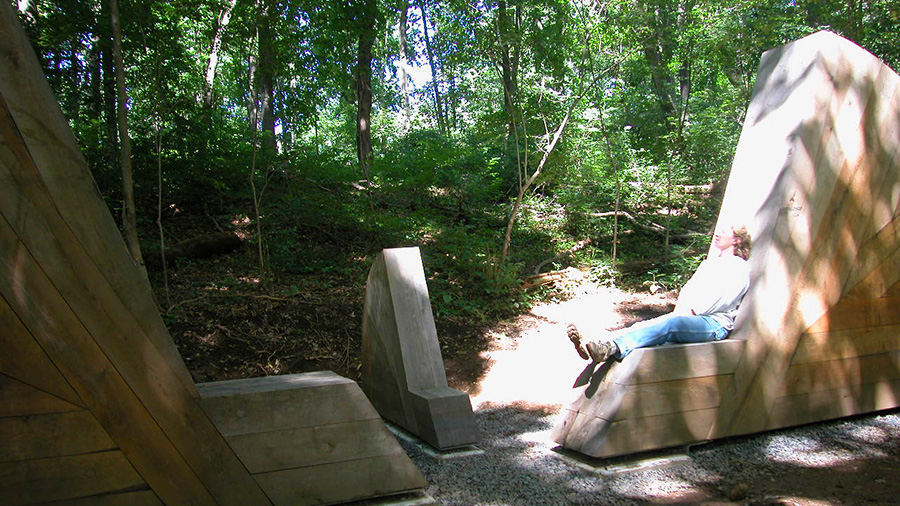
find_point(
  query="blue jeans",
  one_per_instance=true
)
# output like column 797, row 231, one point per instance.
column 670, row 329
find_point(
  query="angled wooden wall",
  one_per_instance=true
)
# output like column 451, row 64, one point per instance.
column 96, row 405
column 816, row 178
column 403, row 371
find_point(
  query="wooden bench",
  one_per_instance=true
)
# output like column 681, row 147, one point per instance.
column 657, row 397
column 309, row 438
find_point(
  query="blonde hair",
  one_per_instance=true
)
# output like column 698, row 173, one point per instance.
column 742, row 242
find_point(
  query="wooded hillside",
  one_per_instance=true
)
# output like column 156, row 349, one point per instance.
column 499, row 137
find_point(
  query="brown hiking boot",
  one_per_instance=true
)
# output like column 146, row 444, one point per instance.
column 601, row 352
column 575, row 337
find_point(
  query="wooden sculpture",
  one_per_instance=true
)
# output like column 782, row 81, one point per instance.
column 96, row 405
column 816, row 178
column 403, row 372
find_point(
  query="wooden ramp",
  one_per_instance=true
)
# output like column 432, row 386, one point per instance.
column 816, row 178
column 96, row 405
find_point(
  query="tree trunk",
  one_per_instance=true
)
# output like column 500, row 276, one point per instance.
column 129, row 219
column 364, row 86
column 404, row 65
column 221, row 25
column 266, row 79
column 509, row 67
column 109, row 86
column 435, row 75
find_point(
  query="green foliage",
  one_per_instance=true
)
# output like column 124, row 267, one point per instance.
column 655, row 92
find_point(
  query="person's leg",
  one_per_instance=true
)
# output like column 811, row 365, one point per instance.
column 670, row 329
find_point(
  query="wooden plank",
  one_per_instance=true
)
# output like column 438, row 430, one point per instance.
column 312, row 446
column 303, row 400
column 669, row 397
column 22, row 358
column 48, row 139
column 893, row 291
column 681, row 361
column 849, row 343
column 652, row 432
column 857, row 313
column 876, row 263
column 817, row 376
column 136, row 498
column 51, row 435
column 46, row 313
column 879, row 282
column 600, row 399
column 341, row 481
column 836, row 403
column 19, row 399
column 104, row 339
column 44, row 480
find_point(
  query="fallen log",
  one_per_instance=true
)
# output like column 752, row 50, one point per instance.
column 203, row 246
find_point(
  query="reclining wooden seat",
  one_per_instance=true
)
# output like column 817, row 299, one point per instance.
column 816, row 178
column 96, row 405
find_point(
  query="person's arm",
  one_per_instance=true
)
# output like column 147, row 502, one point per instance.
column 716, row 286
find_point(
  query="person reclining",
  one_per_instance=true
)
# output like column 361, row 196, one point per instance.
column 705, row 309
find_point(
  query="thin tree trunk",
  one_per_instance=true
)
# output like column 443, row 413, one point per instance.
column 615, row 167
column 221, row 25
column 509, row 68
column 435, row 78
column 108, row 85
column 404, row 65
column 364, row 87
column 159, row 209
column 129, row 218
column 253, row 112
column 266, row 78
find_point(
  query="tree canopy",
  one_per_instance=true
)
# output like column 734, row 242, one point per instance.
column 375, row 123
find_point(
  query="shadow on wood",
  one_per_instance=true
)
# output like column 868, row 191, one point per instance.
column 403, row 372
column 816, row 178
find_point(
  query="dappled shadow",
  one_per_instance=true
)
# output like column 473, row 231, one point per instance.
column 520, row 467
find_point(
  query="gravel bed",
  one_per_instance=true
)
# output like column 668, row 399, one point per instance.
column 852, row 461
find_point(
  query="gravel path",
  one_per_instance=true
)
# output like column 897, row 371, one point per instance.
column 847, row 462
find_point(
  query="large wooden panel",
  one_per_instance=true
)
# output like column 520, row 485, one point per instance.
column 877, row 263
column 19, row 399
column 245, row 406
column 51, row 435
column 48, row 140
column 829, row 194
column 816, row 376
column 849, row 343
column 138, row 498
column 311, row 446
column 23, row 359
column 44, row 480
column 682, row 361
column 309, row 438
column 93, row 339
column 859, row 313
column 662, row 431
column 836, row 403
column 670, row 397
column 341, row 481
